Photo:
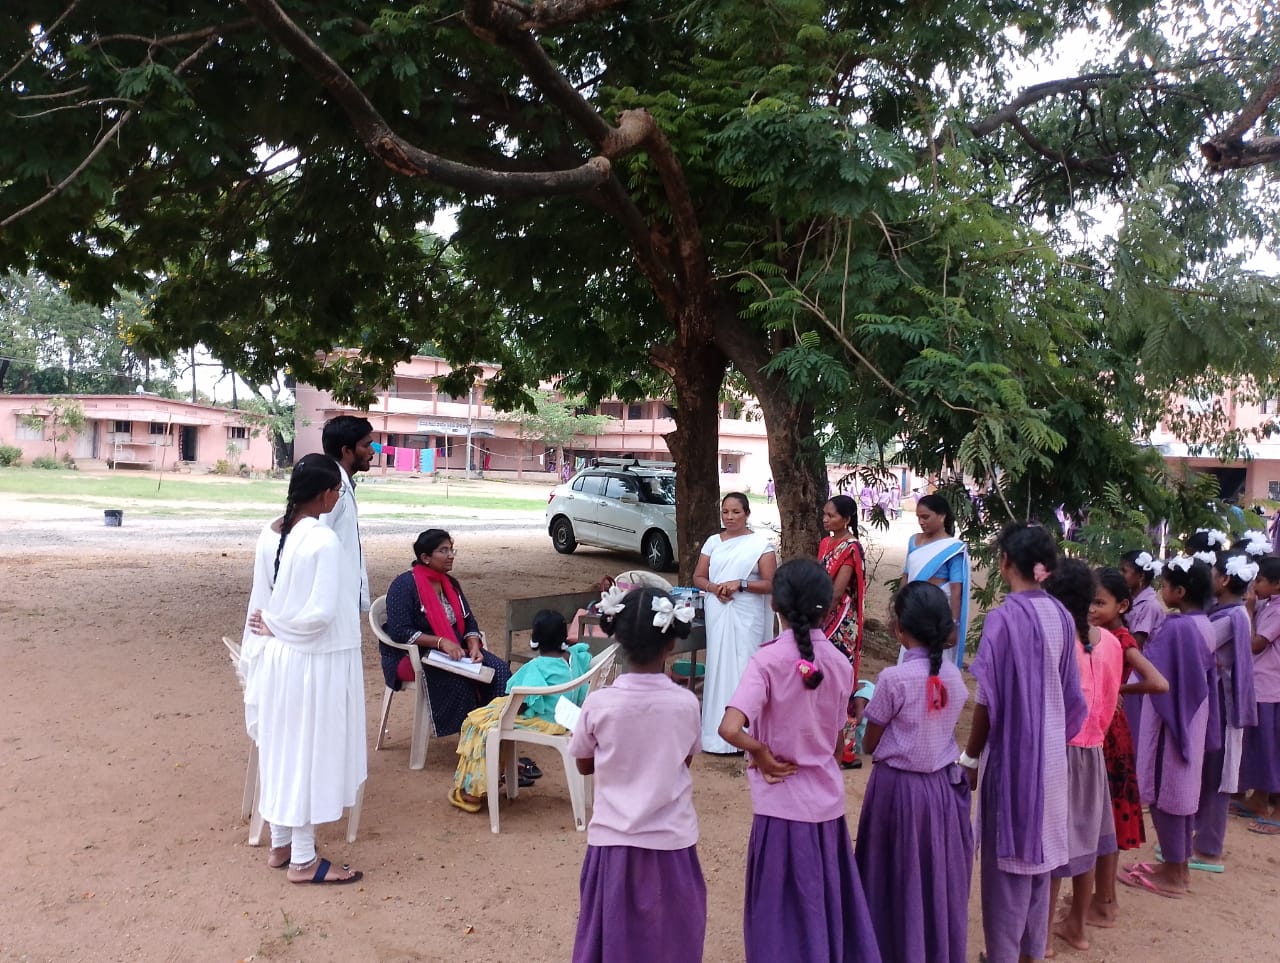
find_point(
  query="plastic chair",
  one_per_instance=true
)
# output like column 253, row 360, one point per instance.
column 249, row 800
column 423, row 723
column 638, row 578
column 506, row 730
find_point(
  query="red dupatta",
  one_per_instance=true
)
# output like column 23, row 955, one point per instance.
column 426, row 579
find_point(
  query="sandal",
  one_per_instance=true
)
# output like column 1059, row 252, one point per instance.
column 466, row 805
column 1265, row 827
column 529, row 768
column 1140, row 881
column 321, row 876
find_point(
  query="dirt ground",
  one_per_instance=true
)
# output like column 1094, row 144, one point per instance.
column 124, row 750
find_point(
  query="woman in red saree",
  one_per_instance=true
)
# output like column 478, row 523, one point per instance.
column 840, row 553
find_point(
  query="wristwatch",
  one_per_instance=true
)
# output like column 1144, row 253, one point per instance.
column 742, row 585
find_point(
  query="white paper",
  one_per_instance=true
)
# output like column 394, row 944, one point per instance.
column 466, row 665
column 567, row 713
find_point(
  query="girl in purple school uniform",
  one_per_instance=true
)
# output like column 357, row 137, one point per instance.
column 1233, row 573
column 642, row 893
column 804, row 900
column 1029, row 704
column 915, row 845
column 1171, row 742
column 1146, row 614
column 1260, row 763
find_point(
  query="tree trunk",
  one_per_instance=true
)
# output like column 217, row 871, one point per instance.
column 696, row 376
column 799, row 467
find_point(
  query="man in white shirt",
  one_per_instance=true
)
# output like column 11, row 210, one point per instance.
column 348, row 440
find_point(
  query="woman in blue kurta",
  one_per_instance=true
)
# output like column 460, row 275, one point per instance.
column 426, row 607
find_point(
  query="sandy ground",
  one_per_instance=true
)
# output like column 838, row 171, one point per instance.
column 124, row 750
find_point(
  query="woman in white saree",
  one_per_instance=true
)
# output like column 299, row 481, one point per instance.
column 736, row 570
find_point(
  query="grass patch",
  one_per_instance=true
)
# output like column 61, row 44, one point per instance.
column 68, row 486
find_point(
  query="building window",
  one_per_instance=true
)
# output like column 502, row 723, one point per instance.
column 237, row 432
column 730, row 409
column 730, row 464
column 635, row 412
column 612, row 408
column 159, row 428
column 122, row 427
column 1273, row 490
column 28, row 431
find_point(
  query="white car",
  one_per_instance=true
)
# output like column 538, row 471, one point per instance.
column 619, row 503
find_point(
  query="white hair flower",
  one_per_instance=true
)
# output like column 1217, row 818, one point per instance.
column 664, row 610
column 1215, row 536
column 1146, row 563
column 1207, row 557
column 1182, row 563
column 611, row 601
column 1239, row 566
column 1256, row 543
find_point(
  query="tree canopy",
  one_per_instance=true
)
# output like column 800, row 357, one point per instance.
column 853, row 204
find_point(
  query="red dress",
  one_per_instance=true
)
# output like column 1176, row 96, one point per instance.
column 1122, row 775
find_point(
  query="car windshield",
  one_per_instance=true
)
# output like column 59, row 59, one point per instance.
column 658, row 489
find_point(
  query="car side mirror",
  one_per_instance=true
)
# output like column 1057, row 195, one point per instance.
column 629, row 498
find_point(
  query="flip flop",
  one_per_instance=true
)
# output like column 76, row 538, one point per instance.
column 1145, row 869
column 1204, row 865
column 529, row 768
column 1240, row 809
column 455, row 798
column 1139, row 881
column 319, row 878
column 1265, row 827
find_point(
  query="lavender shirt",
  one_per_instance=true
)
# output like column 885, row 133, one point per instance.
column 1146, row 614
column 641, row 730
column 915, row 738
column 1266, row 664
column 797, row 724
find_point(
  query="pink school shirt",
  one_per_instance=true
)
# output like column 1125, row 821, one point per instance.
column 916, row 739
column 1146, row 614
column 1266, row 664
column 797, row 724
column 1100, row 674
column 641, row 730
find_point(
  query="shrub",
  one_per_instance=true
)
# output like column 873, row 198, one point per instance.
column 10, row 456
column 46, row 462
column 221, row 467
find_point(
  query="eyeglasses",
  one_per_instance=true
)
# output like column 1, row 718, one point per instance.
column 445, row 551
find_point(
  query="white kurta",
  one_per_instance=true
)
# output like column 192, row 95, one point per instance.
column 735, row 629
column 345, row 520
column 309, row 685
column 251, row 644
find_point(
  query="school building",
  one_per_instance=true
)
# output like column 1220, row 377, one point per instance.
column 137, row 431
column 1246, row 480
column 442, row 432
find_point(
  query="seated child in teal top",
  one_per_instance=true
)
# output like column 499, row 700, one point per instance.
column 556, row 663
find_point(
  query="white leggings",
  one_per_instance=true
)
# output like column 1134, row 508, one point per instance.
column 301, row 839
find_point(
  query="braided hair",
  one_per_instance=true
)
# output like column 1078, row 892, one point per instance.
column 801, row 595
column 633, row 626
column 1073, row 585
column 923, row 611
column 312, row 475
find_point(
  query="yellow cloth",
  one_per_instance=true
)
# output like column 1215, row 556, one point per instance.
column 474, row 739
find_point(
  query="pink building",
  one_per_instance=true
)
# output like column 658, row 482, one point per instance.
column 411, row 413
column 1250, row 479
column 139, row 431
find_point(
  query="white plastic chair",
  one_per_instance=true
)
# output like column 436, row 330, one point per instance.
column 506, row 730
column 638, row 577
column 249, row 800
column 423, row 723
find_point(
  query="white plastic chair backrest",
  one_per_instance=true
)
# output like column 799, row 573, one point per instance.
column 233, row 650
column 377, row 616
column 592, row 679
column 637, row 578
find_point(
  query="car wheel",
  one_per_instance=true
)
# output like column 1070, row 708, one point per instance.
column 562, row 536
column 657, row 552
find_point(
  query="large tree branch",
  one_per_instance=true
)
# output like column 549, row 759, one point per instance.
column 1035, row 94
column 1230, row 151
column 394, row 151
column 544, row 15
